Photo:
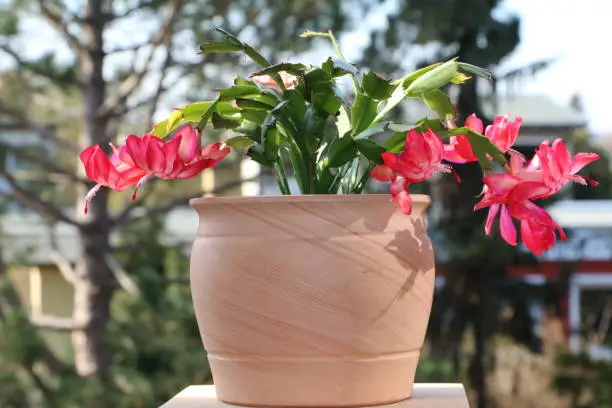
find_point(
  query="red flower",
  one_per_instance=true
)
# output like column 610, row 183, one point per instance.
column 551, row 168
column 502, row 133
column 459, row 150
column 144, row 157
column 558, row 167
column 511, row 193
column 537, row 227
column 112, row 173
column 420, row 160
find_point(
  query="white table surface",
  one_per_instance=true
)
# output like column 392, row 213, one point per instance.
column 423, row 396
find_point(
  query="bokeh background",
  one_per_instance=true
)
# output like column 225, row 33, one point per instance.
column 95, row 311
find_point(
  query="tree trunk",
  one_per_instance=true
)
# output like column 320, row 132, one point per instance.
column 462, row 225
column 93, row 292
column 478, row 369
column 95, row 284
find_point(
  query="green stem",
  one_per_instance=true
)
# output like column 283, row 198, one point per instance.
column 335, row 44
column 363, row 180
column 253, row 54
column 339, row 177
column 281, row 177
column 352, row 179
column 299, row 156
column 341, row 56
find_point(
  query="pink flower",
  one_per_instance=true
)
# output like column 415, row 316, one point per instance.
column 551, row 168
column 459, row 150
column 149, row 156
column 112, row 173
column 558, row 167
column 420, row 160
column 509, row 195
column 537, row 227
column 502, row 133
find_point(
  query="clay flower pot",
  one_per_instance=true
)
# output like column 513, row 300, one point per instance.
column 312, row 300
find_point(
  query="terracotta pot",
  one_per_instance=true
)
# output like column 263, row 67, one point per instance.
column 312, row 300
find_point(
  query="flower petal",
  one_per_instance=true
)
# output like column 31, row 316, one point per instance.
column 493, row 210
column 135, row 148
column 506, row 226
column 527, row 190
column 188, row 143
column 530, row 241
column 451, row 155
column 580, row 160
column 464, row 148
column 501, row 184
column 382, row 173
column 155, row 156
column 193, row 169
column 404, row 201
column 474, row 123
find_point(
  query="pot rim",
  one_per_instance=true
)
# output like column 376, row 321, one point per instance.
column 303, row 198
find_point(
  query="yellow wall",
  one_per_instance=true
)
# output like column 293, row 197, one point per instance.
column 214, row 178
column 57, row 294
column 20, row 278
column 43, row 290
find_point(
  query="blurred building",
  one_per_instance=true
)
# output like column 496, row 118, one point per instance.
column 16, row 139
column 584, row 263
column 543, row 118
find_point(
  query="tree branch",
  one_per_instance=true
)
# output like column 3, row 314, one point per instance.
column 134, row 204
column 133, row 81
column 31, row 200
column 141, row 6
column 128, row 48
column 606, row 318
column 54, row 13
column 40, row 383
column 21, row 119
column 63, row 264
column 124, row 218
column 121, row 276
column 148, row 100
column 49, row 166
column 25, row 65
column 160, row 87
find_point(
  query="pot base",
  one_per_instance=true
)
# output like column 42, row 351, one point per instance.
column 292, row 381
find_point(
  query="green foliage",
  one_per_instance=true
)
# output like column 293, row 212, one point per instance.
column 433, row 370
column 584, row 380
column 9, row 21
column 312, row 128
column 376, row 87
column 19, row 341
column 154, row 339
column 601, row 170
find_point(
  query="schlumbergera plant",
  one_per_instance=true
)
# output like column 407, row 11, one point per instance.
column 295, row 119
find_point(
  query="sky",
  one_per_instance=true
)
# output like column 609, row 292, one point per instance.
column 580, row 34
column 577, row 33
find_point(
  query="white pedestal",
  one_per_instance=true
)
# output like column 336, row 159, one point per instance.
column 423, row 396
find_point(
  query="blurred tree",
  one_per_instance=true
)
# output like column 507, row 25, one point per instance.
column 583, row 376
column 93, row 54
column 153, row 337
column 600, row 170
column 584, row 380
